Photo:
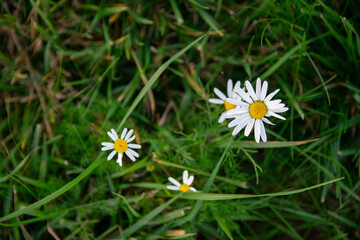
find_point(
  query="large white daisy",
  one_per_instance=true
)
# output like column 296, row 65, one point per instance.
column 187, row 181
column 255, row 109
column 121, row 145
column 231, row 92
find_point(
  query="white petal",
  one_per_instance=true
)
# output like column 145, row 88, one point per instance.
column 236, row 89
column 219, row 94
column 267, row 121
column 230, row 87
column 222, row 117
column 192, row 189
column 250, row 90
column 264, row 90
column 245, row 96
column 249, row 127
column 238, row 128
column 271, row 95
column 237, row 102
column 107, row 144
column 130, row 155
column 123, row 133
column 132, row 152
column 106, row 148
column 258, row 88
column 236, row 111
column 128, row 135
column 278, row 106
column 173, row 181
column 216, row 101
column 174, row 188
column 114, row 134
column 185, row 176
column 273, row 102
column 119, row 160
column 263, row 132
column 257, row 130
column 190, row 180
column 134, row 146
column 132, row 158
column 111, row 155
column 280, row 110
column 277, row 115
column 234, row 122
column 130, row 139
column 238, row 120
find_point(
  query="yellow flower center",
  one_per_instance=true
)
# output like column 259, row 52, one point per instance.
column 258, row 109
column 120, row 145
column 229, row 106
column 184, row 188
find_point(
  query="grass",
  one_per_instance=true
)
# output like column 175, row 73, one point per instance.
column 71, row 71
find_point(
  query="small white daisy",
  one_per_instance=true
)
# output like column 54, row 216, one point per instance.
column 187, row 181
column 232, row 93
column 121, row 145
column 255, row 109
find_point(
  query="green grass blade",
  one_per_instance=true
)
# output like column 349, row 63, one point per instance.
column 221, row 223
column 270, row 144
column 217, row 196
column 206, row 188
column 137, row 215
column 55, row 194
column 280, row 62
column 154, row 78
column 144, row 220
column 43, row 16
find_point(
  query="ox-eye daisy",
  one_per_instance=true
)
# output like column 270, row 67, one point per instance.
column 121, row 145
column 255, row 109
column 187, row 181
column 232, row 93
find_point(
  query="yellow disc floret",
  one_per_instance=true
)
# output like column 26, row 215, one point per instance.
column 229, row 106
column 258, row 109
column 184, row 188
column 120, row 145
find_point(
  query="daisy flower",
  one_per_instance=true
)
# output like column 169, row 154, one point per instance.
column 121, row 145
column 255, row 109
column 231, row 92
column 187, row 181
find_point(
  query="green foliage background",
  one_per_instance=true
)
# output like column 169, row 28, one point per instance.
column 70, row 70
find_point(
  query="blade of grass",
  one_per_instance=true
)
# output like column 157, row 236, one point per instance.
column 320, row 76
column 280, row 62
column 224, row 179
column 218, row 196
column 270, row 144
column 221, row 223
column 98, row 161
column 55, row 194
column 154, row 78
column 43, row 16
column 145, row 219
column 137, row 215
